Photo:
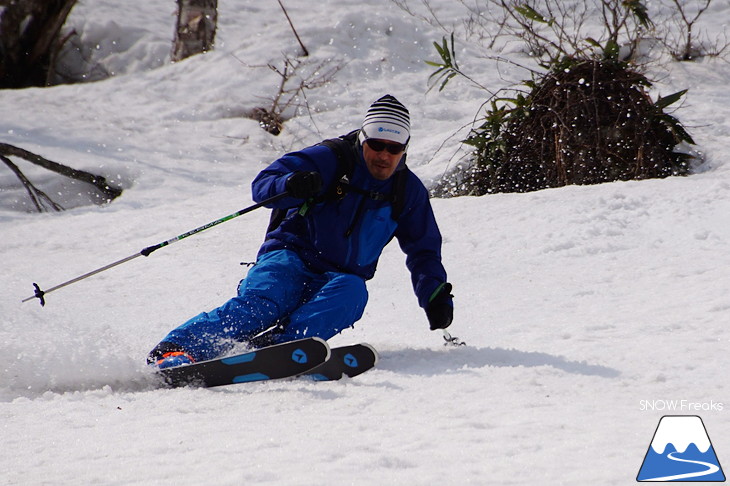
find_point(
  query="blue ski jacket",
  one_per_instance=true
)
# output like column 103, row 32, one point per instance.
column 348, row 235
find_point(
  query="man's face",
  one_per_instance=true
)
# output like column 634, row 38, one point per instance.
column 382, row 163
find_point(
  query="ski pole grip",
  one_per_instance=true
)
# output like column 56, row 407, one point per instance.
column 147, row 251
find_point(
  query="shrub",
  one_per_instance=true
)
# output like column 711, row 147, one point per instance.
column 585, row 122
column 586, row 119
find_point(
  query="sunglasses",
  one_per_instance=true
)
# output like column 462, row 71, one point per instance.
column 392, row 148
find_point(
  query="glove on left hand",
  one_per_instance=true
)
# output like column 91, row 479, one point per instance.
column 440, row 309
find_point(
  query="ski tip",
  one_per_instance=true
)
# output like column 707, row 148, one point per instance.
column 329, row 350
column 375, row 352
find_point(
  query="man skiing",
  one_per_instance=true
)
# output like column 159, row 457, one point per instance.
column 345, row 200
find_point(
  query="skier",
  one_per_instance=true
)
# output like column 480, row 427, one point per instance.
column 346, row 199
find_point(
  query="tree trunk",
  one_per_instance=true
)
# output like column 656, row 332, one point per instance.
column 196, row 24
column 28, row 40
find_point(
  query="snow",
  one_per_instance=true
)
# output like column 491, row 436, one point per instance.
column 579, row 305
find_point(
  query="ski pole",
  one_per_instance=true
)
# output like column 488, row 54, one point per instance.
column 452, row 340
column 40, row 294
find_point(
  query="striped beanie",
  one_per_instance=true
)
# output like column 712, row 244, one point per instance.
column 387, row 119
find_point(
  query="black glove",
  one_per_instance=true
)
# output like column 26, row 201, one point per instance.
column 303, row 185
column 440, row 308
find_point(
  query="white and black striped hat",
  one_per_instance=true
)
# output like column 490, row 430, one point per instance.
column 387, row 119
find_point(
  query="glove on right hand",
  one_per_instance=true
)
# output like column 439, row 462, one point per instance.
column 303, row 185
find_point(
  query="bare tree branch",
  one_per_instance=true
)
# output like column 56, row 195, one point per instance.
column 99, row 182
column 36, row 195
column 305, row 52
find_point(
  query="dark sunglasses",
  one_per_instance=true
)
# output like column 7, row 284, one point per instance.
column 378, row 146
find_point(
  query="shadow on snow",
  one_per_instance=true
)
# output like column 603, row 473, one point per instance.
column 433, row 362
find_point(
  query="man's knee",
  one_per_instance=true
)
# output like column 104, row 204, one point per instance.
column 349, row 282
column 352, row 294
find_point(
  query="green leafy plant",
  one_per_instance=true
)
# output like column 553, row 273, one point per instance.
column 447, row 68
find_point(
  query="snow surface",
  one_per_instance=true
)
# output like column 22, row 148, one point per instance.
column 587, row 311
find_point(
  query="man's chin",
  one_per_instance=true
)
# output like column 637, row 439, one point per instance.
column 381, row 173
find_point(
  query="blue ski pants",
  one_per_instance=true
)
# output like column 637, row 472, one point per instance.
column 279, row 292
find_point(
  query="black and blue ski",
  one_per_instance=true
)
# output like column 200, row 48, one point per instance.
column 345, row 361
column 269, row 363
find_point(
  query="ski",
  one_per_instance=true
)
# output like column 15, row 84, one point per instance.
column 269, row 363
column 345, row 361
